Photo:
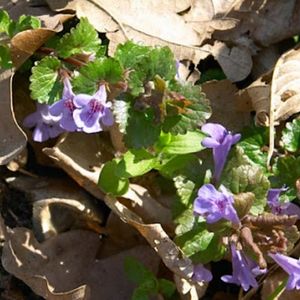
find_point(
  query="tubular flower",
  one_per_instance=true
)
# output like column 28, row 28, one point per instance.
column 215, row 205
column 91, row 110
column 220, row 141
column 291, row 266
column 201, row 273
column 46, row 125
column 280, row 208
column 65, row 107
column 244, row 270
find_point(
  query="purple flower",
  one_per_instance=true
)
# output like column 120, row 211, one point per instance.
column 46, row 125
column 244, row 270
column 201, row 274
column 291, row 266
column 65, row 107
column 220, row 141
column 90, row 110
column 280, row 208
column 215, row 205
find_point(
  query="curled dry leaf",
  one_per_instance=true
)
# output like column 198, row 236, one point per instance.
column 223, row 102
column 171, row 255
column 162, row 26
column 58, row 205
column 236, row 62
column 12, row 138
column 68, row 262
column 82, row 155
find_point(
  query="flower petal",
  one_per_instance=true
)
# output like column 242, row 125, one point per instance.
column 101, row 94
column 40, row 133
column 210, row 143
column 56, row 109
column 107, row 119
column 82, row 100
column 216, row 131
column 32, row 120
column 201, row 273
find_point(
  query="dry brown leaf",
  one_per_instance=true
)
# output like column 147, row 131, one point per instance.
column 223, row 102
column 58, row 205
column 236, row 62
column 146, row 207
column 171, row 255
column 162, row 26
column 12, row 138
column 82, row 155
column 25, row 43
column 262, row 22
column 256, row 97
column 190, row 290
column 206, row 17
column 68, row 261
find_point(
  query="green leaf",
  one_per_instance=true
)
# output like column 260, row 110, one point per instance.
column 194, row 240
column 136, row 162
column 145, row 63
column 135, row 58
column 146, row 289
column 181, row 143
column 291, row 136
column 182, row 208
column 81, row 39
column 141, row 131
column 166, row 287
column 23, row 23
column 136, row 271
column 92, row 74
column 287, row 172
column 254, row 139
column 110, row 182
column 4, row 21
column 45, row 85
column 214, row 252
column 171, row 166
column 242, row 178
column 5, row 57
column 186, row 109
column 278, row 291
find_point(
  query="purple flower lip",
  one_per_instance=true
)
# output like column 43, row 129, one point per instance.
column 220, row 140
column 201, row 273
column 215, row 205
column 91, row 110
column 65, row 107
column 291, row 266
column 280, row 208
column 244, row 270
column 46, row 125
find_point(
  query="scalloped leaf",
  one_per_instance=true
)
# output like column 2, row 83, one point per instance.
column 242, row 178
column 291, row 136
column 254, row 139
column 287, row 172
column 186, row 109
column 141, row 131
column 45, row 85
column 81, row 39
column 144, row 63
column 195, row 240
column 91, row 75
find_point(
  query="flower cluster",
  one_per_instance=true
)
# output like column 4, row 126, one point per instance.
column 214, row 205
column 72, row 112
